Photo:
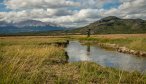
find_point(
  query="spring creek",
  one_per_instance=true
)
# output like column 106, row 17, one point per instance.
column 78, row 52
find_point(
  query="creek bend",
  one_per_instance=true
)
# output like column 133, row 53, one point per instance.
column 103, row 57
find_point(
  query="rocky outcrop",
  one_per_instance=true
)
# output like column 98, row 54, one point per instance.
column 123, row 49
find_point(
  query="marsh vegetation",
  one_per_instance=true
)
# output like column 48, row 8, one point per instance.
column 24, row 61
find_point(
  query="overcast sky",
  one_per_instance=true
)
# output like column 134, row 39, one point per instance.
column 70, row 13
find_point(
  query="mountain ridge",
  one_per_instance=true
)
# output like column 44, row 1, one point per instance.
column 114, row 25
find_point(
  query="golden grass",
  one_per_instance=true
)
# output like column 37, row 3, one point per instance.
column 19, row 61
column 112, row 36
column 116, row 36
column 132, row 41
column 24, row 61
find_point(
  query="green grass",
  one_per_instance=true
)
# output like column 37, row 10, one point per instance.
column 136, row 43
column 24, row 61
column 93, row 73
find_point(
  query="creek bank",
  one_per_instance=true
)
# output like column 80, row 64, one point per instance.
column 58, row 44
column 123, row 49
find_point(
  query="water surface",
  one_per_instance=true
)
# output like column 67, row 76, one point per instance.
column 127, row 62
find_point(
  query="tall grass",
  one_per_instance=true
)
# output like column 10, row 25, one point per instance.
column 24, row 61
column 91, row 73
column 138, row 44
column 26, row 64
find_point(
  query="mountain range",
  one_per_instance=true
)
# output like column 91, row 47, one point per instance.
column 107, row 25
column 114, row 25
column 28, row 26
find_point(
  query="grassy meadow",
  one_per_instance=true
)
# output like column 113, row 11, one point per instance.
column 30, row 60
column 131, row 41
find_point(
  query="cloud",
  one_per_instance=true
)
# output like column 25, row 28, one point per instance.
column 71, row 13
column 33, row 14
column 80, row 18
column 129, row 9
column 33, row 4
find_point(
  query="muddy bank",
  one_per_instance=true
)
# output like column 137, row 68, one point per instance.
column 58, row 44
column 123, row 49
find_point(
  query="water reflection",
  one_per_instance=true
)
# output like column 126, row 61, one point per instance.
column 78, row 52
column 88, row 50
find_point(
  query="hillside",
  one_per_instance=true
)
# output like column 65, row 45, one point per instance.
column 107, row 25
column 114, row 25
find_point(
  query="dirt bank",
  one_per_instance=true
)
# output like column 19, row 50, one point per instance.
column 123, row 49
